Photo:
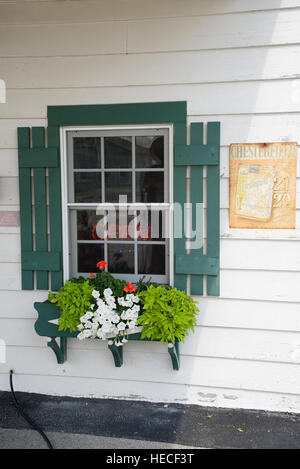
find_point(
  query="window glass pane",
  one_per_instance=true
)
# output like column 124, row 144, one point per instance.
column 149, row 186
column 90, row 226
column 151, row 225
column 120, row 225
column 118, row 152
column 149, row 152
column 120, row 258
column 116, row 184
column 151, row 259
column 88, row 256
column 87, row 153
column 87, row 187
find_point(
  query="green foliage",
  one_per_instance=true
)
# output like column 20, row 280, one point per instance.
column 103, row 280
column 74, row 299
column 142, row 284
column 168, row 314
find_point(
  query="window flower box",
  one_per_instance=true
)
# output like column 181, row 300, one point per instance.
column 105, row 308
column 47, row 326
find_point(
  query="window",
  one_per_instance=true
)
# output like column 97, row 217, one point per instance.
column 116, row 201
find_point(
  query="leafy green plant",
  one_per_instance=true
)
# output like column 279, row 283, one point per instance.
column 142, row 284
column 74, row 299
column 103, row 280
column 168, row 314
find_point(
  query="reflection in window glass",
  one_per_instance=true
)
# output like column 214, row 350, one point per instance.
column 90, row 225
column 88, row 256
column 121, row 258
column 87, row 187
column 118, row 152
column 149, row 186
column 149, row 152
column 87, row 153
column 118, row 184
column 151, row 259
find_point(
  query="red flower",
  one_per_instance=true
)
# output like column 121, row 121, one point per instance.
column 91, row 274
column 130, row 288
column 102, row 264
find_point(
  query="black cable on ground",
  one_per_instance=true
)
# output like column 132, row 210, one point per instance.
column 25, row 417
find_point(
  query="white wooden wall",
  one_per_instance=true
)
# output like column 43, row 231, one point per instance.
column 236, row 61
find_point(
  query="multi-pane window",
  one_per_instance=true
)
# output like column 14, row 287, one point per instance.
column 118, row 202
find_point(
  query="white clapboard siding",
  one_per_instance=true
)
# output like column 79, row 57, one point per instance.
column 153, row 69
column 10, row 248
column 19, row 304
column 9, row 191
column 210, row 342
column 240, row 284
column 8, row 163
column 10, row 276
column 259, row 255
column 214, row 312
column 101, row 10
column 249, row 97
column 9, row 133
column 260, row 285
column 56, row 40
column 160, row 392
column 216, row 372
column 235, row 128
column 252, row 254
column 220, row 31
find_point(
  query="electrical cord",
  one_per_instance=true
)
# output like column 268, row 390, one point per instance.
column 25, row 416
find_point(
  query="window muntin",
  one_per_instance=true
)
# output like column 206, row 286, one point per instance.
column 101, row 165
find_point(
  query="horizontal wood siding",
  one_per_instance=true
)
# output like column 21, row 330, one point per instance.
column 236, row 62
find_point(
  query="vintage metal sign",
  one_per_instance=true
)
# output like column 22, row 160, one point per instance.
column 263, row 185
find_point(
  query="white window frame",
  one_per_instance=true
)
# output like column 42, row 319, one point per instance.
column 64, row 190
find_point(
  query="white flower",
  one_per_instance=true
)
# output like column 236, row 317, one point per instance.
column 84, row 334
column 95, row 294
column 131, row 324
column 115, row 318
column 107, row 292
column 121, row 326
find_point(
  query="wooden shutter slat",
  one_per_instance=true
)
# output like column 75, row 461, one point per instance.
column 196, row 191
column 40, row 206
column 39, row 158
column 180, row 199
column 196, row 264
column 55, row 221
column 213, row 209
column 196, row 154
column 42, row 261
column 25, row 208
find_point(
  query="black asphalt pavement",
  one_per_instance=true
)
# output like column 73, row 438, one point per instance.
column 169, row 424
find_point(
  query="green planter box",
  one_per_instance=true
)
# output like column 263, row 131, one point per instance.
column 48, row 312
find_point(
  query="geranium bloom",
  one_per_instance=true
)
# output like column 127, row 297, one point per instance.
column 102, row 264
column 91, row 274
column 129, row 288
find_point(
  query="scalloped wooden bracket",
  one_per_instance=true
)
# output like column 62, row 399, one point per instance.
column 173, row 350
column 60, row 351
column 117, row 353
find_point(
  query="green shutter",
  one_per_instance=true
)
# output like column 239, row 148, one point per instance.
column 196, row 155
column 40, row 208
